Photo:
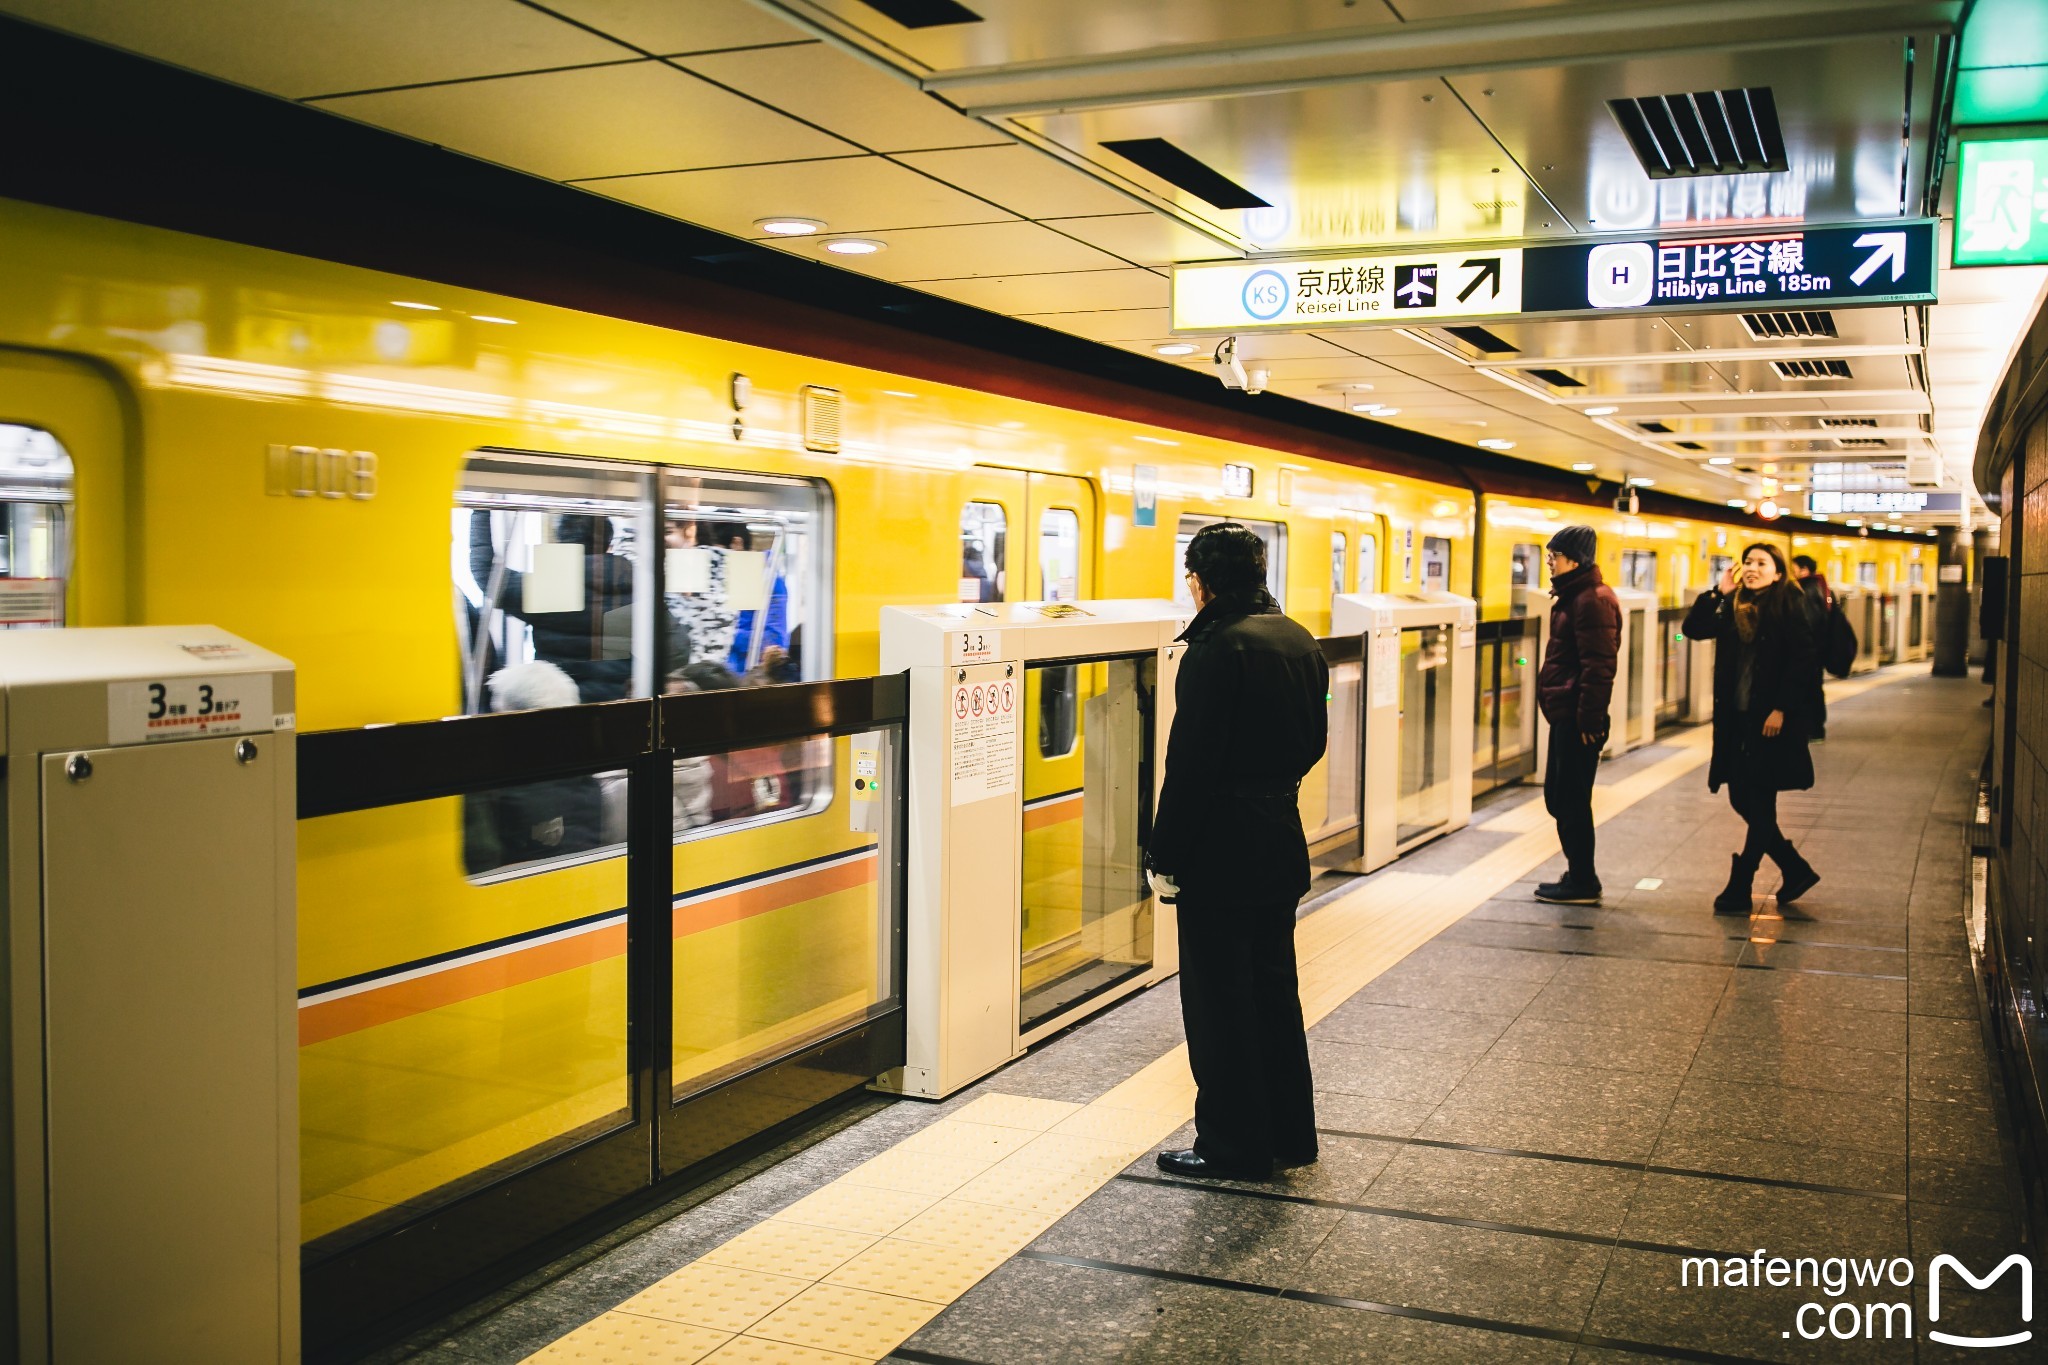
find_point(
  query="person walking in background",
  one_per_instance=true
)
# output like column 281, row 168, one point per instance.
column 1251, row 719
column 1819, row 600
column 1573, row 690
column 1764, row 674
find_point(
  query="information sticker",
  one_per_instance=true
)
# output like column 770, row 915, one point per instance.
column 189, row 708
column 32, row 601
column 974, row 646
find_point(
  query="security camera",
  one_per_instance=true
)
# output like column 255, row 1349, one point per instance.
column 1627, row 503
column 1255, row 380
column 1230, row 369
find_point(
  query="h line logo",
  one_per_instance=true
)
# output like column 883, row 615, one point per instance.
column 2026, row 1269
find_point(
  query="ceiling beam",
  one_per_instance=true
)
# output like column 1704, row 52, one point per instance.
column 1553, row 36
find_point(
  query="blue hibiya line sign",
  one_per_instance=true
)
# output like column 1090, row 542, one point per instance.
column 1674, row 272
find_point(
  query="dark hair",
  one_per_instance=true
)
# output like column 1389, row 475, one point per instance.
column 709, row 675
column 592, row 532
column 1806, row 562
column 724, row 533
column 1229, row 559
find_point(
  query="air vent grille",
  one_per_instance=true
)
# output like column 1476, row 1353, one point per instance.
column 1848, row 421
column 1654, row 426
column 924, row 13
column 1479, row 339
column 1861, row 442
column 1789, row 326
column 1182, row 171
column 1812, row 369
column 1557, row 379
column 821, row 419
column 1689, row 445
column 1708, row 132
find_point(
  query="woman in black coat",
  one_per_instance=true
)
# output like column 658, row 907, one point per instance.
column 1763, row 685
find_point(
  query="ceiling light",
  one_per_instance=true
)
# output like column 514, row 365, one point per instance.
column 1388, row 412
column 1601, row 412
column 1583, row 467
column 1175, row 348
column 1894, row 515
column 1640, row 482
column 1817, row 516
column 1348, row 386
column 1791, row 487
column 422, row 307
column 1367, row 407
column 1495, row 443
column 485, row 317
column 1721, row 459
column 855, row 246
column 1853, row 521
column 1737, row 502
column 789, row 227
column 1768, row 510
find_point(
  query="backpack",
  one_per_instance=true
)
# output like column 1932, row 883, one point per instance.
column 1838, row 643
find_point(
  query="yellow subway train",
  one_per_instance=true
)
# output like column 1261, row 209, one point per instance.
column 441, row 502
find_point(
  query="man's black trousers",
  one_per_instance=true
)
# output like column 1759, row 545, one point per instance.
column 1240, row 1001
column 1568, row 796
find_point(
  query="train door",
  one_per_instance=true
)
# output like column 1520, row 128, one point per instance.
column 62, row 445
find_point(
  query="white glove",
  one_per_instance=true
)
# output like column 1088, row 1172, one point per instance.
column 1163, row 887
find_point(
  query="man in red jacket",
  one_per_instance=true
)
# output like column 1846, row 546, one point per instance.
column 1573, row 689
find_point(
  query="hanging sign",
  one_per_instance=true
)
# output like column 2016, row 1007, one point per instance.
column 1806, row 267
column 1880, row 501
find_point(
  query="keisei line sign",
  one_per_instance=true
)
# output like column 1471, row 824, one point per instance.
column 1802, row 267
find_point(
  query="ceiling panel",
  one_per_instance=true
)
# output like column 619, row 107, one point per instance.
column 824, row 86
column 1037, row 30
column 299, row 48
column 1024, row 180
column 1841, row 105
column 1341, row 165
column 1145, row 238
column 1070, row 291
column 667, row 28
column 1113, row 325
column 983, row 249
column 862, row 194
column 613, row 120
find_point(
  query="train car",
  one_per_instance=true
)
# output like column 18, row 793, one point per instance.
column 440, row 502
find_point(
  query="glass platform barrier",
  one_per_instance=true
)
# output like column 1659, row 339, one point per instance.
column 1504, row 722
column 1034, row 765
column 1864, row 607
column 1419, row 676
column 1332, row 795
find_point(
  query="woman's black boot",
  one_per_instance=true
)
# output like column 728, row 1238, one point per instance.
column 1737, row 898
column 1800, row 877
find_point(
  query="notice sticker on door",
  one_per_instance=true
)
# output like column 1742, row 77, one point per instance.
column 32, row 601
column 1386, row 667
column 983, row 738
column 189, row 708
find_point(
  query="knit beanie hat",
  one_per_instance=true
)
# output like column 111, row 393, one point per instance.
column 1577, row 543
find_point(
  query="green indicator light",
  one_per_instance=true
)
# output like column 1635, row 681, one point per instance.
column 1522, row 662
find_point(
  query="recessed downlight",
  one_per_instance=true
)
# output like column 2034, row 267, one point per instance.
column 420, row 307
column 1737, row 502
column 855, row 246
column 1583, row 467
column 789, row 227
column 1175, row 348
column 1346, row 386
column 1721, row 459
column 1366, row 407
column 1388, row 412
column 1494, row 443
column 1642, row 483
column 1601, row 412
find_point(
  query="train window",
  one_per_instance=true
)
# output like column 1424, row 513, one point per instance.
column 1436, row 563
column 1526, row 569
column 1368, row 563
column 583, row 581
column 984, row 551
column 1337, row 547
column 1059, row 574
column 1639, row 569
column 1274, row 533
column 1718, row 565
column 1866, row 574
column 35, row 527
column 1916, row 574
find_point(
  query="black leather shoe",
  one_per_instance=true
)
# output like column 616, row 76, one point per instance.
column 1196, row 1166
column 1290, row 1163
column 1566, row 891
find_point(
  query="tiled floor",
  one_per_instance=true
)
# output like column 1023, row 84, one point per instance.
column 1531, row 1120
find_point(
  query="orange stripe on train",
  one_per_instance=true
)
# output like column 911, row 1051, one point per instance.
column 1053, row 812
column 462, row 981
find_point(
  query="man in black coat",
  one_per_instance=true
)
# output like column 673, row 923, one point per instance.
column 1573, row 689
column 1250, row 720
column 1819, row 600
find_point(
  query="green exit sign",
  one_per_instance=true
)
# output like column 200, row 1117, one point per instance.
column 2002, row 202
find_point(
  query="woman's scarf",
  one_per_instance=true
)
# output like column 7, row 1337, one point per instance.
column 1751, row 605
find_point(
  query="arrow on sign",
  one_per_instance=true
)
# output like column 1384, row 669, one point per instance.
column 1489, row 270
column 1890, row 246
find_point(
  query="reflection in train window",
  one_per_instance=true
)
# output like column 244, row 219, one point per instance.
column 35, row 528
column 1436, row 563
column 984, row 551
column 584, row 581
column 1368, row 563
column 1866, row 574
column 1337, row 548
column 1639, row 570
column 1527, row 571
column 1916, row 574
column 1273, row 533
column 1059, row 574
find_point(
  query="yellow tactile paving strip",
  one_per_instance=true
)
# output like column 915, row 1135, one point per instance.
column 848, row 1272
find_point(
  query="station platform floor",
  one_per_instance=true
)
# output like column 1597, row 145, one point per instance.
column 1532, row 1117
